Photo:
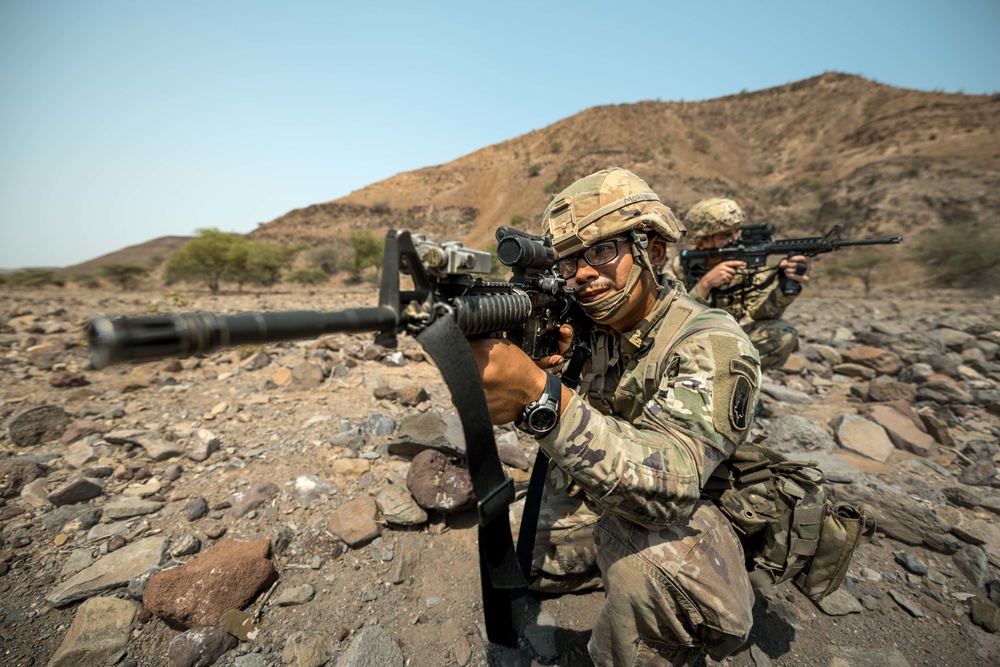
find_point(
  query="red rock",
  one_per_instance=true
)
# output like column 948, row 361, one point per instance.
column 227, row 576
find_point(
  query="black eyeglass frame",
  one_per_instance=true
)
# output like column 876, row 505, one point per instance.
column 565, row 262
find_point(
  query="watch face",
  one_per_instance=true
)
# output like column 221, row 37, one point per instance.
column 542, row 420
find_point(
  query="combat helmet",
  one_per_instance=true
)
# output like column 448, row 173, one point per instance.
column 611, row 203
column 712, row 216
column 603, row 205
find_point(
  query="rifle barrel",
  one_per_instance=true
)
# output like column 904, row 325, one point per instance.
column 885, row 241
column 145, row 338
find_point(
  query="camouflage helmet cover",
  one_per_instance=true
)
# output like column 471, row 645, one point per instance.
column 603, row 205
column 712, row 216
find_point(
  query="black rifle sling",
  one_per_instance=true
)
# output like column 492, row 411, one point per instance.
column 533, row 500
column 498, row 570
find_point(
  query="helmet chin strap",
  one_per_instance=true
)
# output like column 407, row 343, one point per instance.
column 604, row 309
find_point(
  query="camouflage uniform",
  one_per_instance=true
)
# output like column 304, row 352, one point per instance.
column 758, row 303
column 755, row 299
column 658, row 408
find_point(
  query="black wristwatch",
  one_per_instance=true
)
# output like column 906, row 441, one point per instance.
column 541, row 416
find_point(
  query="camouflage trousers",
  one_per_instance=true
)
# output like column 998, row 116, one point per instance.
column 670, row 594
column 775, row 340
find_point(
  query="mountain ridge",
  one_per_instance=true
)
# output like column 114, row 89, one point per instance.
column 832, row 149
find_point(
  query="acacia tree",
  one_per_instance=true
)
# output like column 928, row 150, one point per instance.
column 206, row 258
column 863, row 265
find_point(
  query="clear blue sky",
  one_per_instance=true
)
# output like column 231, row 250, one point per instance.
column 124, row 121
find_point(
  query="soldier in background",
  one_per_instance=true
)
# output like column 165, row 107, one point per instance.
column 754, row 298
column 667, row 394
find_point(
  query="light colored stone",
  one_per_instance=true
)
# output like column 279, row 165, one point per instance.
column 100, row 629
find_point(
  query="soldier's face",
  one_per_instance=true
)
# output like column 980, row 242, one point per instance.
column 591, row 283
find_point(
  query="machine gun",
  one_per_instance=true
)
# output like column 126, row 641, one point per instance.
column 755, row 244
column 528, row 308
column 446, row 305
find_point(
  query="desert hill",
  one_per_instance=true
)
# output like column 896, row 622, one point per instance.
column 142, row 254
column 833, row 149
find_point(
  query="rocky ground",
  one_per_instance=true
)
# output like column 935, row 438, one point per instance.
column 279, row 505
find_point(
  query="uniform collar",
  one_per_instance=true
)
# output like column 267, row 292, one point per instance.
column 632, row 340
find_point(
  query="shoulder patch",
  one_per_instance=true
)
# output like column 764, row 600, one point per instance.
column 734, row 389
column 739, row 404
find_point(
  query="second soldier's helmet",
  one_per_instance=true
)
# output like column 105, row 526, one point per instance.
column 604, row 205
column 712, row 216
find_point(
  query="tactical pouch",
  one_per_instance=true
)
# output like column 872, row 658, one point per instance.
column 788, row 527
column 844, row 528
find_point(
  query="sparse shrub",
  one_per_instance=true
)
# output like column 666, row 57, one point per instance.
column 862, row 266
column 666, row 150
column 87, row 280
column 380, row 207
column 534, row 170
column 702, row 144
column 34, row 278
column 125, row 276
column 549, row 188
column 261, row 265
column 177, row 300
column 932, row 137
column 556, row 147
column 367, row 249
column 964, row 255
column 307, row 277
column 815, row 184
column 516, row 220
column 328, row 258
column 819, row 165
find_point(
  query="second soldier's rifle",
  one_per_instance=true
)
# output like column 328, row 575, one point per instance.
column 445, row 305
column 755, row 245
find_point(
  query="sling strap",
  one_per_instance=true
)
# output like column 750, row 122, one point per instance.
column 498, row 568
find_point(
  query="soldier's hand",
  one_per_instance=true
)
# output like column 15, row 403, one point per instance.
column 719, row 275
column 511, row 379
column 796, row 268
column 554, row 363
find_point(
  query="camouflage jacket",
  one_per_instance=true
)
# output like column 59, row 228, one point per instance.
column 658, row 409
column 757, row 297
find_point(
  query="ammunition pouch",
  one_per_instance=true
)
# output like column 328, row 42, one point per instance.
column 788, row 526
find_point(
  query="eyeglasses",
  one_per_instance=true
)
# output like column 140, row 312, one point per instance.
column 600, row 254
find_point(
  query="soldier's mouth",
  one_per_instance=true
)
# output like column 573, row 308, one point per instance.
column 587, row 296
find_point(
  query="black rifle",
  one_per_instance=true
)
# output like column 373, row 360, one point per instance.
column 528, row 307
column 445, row 306
column 755, row 244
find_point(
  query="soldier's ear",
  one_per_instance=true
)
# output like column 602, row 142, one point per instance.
column 657, row 250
